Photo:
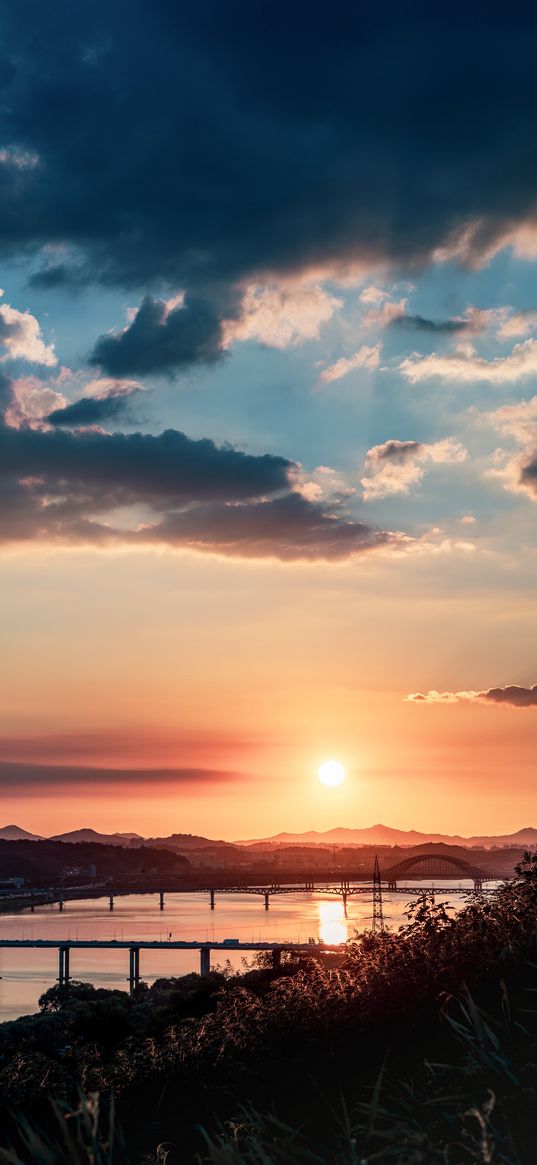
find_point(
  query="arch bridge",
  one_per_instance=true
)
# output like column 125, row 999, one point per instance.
column 434, row 866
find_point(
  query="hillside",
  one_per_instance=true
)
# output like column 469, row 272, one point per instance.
column 186, row 841
column 45, row 861
column 15, row 833
column 91, row 835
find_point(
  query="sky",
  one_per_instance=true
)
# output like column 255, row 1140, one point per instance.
column 268, row 416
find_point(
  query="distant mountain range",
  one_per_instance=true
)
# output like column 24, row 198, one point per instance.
column 176, row 841
column 386, row 835
column 372, row 835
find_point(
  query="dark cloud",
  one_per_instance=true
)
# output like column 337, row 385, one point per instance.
column 67, row 486
column 528, row 474
column 418, row 323
column 162, row 341
column 93, row 410
column 140, row 467
column 60, row 275
column 512, row 696
column 22, row 778
column 6, row 392
column 185, row 144
column 290, row 528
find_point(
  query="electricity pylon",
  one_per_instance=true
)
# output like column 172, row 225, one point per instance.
column 378, row 914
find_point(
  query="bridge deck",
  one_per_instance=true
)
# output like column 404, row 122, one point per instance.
column 346, row 889
column 163, row 945
column 65, row 946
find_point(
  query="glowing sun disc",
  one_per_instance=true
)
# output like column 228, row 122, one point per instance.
column 331, row 773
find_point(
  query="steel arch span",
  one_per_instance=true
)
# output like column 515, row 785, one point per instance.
column 434, row 866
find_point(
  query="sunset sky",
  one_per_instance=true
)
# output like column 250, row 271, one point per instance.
column 268, row 417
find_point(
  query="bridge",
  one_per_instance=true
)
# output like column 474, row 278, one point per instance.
column 64, row 949
column 420, row 867
column 434, row 866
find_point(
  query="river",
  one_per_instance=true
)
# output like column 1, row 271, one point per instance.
column 295, row 917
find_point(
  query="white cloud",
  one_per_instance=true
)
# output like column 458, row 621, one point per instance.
column 519, row 324
column 280, row 317
column 373, row 295
column 31, row 400
column 20, row 335
column 479, row 318
column 324, row 483
column 106, row 386
column 385, row 314
column 434, row 697
column 515, row 471
column 518, row 420
column 468, row 368
column 396, row 466
column 368, row 358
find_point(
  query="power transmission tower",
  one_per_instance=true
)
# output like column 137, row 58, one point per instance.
column 378, row 914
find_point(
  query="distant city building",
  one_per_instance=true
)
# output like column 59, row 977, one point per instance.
column 79, row 871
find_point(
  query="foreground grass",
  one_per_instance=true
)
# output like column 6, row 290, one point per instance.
column 420, row 1048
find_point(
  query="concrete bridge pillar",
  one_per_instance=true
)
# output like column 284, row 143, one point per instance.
column 212, row 899
column 161, row 900
column 266, row 900
column 111, row 902
column 205, row 960
column 32, row 905
column 134, row 969
column 63, row 966
column 60, row 903
column 344, row 896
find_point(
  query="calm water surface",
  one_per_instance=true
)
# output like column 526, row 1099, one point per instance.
column 295, row 917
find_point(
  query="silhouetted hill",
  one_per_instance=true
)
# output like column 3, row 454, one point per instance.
column 15, row 833
column 175, row 841
column 186, row 841
column 45, row 861
column 91, row 835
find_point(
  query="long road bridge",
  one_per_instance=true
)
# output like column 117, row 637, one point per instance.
column 424, row 866
column 64, row 948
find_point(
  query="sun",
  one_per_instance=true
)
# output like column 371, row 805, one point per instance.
column 331, row 773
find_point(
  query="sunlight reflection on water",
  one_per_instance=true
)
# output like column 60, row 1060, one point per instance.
column 333, row 926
